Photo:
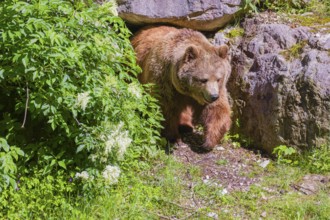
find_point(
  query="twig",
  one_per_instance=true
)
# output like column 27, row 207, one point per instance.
column 77, row 121
column 26, row 105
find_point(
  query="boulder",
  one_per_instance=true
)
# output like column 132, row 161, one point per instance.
column 203, row 15
column 280, row 86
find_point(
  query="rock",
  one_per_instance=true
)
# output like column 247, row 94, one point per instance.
column 264, row 163
column 203, row 15
column 312, row 184
column 280, row 86
column 224, row 192
column 219, row 148
column 213, row 215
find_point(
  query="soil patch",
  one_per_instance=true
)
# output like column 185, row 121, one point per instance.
column 234, row 168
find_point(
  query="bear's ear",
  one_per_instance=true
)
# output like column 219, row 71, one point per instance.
column 223, row 51
column 190, row 54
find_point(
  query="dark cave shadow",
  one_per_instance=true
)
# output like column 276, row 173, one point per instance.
column 193, row 140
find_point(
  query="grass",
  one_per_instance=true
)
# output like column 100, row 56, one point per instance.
column 315, row 21
column 316, row 15
column 164, row 188
column 168, row 189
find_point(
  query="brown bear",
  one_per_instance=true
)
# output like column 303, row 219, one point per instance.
column 190, row 75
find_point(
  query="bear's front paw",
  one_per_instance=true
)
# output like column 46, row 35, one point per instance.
column 208, row 146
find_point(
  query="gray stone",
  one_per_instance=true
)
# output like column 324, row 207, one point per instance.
column 277, row 98
column 203, row 15
column 312, row 184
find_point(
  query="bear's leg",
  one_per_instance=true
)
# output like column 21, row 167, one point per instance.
column 216, row 121
column 185, row 121
column 171, row 127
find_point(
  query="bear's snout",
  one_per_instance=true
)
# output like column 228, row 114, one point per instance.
column 209, row 98
column 211, row 92
column 214, row 97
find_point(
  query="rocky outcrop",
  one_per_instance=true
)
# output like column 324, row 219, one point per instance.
column 203, row 15
column 280, row 86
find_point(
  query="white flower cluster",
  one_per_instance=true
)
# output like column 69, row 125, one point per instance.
column 83, row 175
column 111, row 174
column 118, row 138
column 82, row 100
column 135, row 90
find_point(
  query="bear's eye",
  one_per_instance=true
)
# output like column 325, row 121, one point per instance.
column 218, row 80
column 203, row 80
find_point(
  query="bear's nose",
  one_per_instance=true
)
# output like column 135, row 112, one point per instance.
column 214, row 97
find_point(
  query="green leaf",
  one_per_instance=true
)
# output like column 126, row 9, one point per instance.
column 20, row 152
column 16, row 57
column 62, row 164
column 4, row 145
column 25, row 61
column 80, row 148
column 52, row 163
column 4, row 36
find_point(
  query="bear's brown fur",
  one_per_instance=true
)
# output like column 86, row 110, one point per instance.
column 190, row 75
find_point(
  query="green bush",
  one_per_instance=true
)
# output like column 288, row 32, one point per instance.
column 315, row 160
column 292, row 6
column 8, row 168
column 69, row 95
column 319, row 7
column 286, row 155
column 318, row 159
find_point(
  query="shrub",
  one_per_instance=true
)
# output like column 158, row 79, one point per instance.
column 286, row 155
column 69, row 95
column 314, row 160
column 8, row 167
column 318, row 159
column 320, row 7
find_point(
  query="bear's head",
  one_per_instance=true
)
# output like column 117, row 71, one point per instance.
column 202, row 72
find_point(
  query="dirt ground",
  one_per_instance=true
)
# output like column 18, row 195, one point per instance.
column 229, row 166
column 236, row 168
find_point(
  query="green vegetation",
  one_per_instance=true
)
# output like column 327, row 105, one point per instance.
column 317, row 21
column 316, row 160
column 165, row 188
column 287, row 155
column 222, row 162
column 294, row 51
column 275, row 197
column 162, row 187
column 235, row 32
column 319, row 7
column 71, row 107
column 291, row 6
column 79, row 136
